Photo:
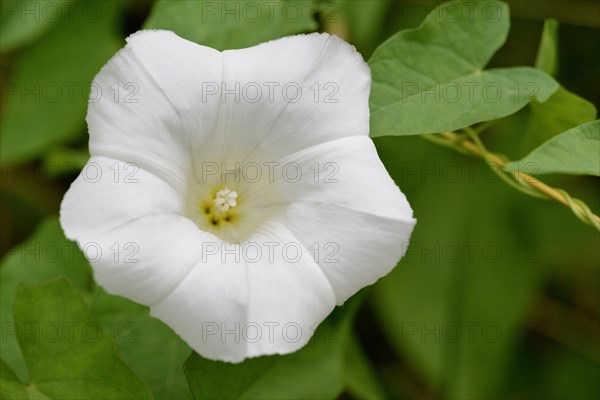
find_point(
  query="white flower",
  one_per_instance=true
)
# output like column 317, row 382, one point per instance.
column 194, row 150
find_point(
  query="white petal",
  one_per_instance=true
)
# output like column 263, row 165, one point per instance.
column 146, row 103
column 210, row 300
column 354, row 248
column 259, row 109
column 350, row 174
column 131, row 230
column 146, row 259
column 185, row 71
column 334, row 102
column 109, row 193
column 351, row 210
column 265, row 306
column 290, row 290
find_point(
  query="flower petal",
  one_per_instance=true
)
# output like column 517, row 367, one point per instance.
column 269, row 300
column 146, row 259
column 346, row 172
column 186, row 73
column 109, row 193
column 334, row 102
column 354, row 248
column 142, row 101
column 289, row 94
column 351, row 210
column 290, row 290
column 130, row 229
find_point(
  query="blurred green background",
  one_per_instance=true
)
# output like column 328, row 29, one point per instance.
column 499, row 295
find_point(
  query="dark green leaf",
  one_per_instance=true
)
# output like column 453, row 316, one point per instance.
column 365, row 20
column 150, row 348
column 24, row 21
column 462, row 293
column 314, row 372
column 67, row 353
column 63, row 161
column 10, row 386
column 547, row 56
column 46, row 97
column 46, row 255
column 232, row 25
column 361, row 379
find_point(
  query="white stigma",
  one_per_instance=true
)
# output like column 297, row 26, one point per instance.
column 226, row 199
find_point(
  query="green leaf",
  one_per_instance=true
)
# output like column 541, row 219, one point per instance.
column 431, row 79
column 538, row 122
column 10, row 385
column 547, row 56
column 576, row 151
column 67, row 353
column 563, row 110
column 361, row 379
column 46, row 96
column 63, row 161
column 232, row 25
column 365, row 19
column 47, row 254
column 149, row 347
column 569, row 376
column 25, row 21
column 314, row 372
column 455, row 307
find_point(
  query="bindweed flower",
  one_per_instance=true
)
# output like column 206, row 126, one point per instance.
column 236, row 193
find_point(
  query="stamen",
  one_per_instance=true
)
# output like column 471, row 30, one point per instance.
column 225, row 199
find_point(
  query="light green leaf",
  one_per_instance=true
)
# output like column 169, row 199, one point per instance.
column 361, row 379
column 314, row 372
column 232, row 25
column 150, row 348
column 564, row 110
column 46, row 96
column 47, row 254
column 431, row 79
column 67, row 353
column 25, row 21
column 538, row 122
column 576, row 151
column 547, row 56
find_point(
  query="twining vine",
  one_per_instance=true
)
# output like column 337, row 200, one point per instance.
column 468, row 142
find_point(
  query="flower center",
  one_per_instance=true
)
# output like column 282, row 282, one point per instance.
column 229, row 205
column 225, row 199
column 218, row 208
